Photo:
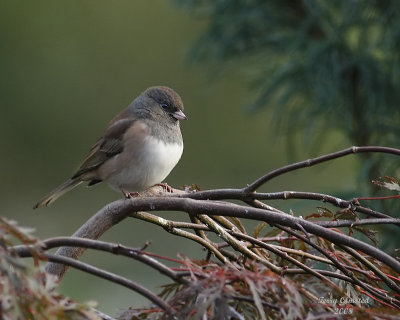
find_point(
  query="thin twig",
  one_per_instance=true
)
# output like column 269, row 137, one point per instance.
column 243, row 195
column 298, row 253
column 285, row 256
column 137, row 254
column 390, row 283
column 104, row 316
column 311, row 162
column 338, row 264
column 217, row 208
column 113, row 278
column 169, row 227
column 342, row 268
column 221, row 232
column 352, row 223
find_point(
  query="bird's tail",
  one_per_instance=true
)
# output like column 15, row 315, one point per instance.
column 57, row 192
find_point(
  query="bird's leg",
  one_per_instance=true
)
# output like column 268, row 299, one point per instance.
column 129, row 195
column 165, row 186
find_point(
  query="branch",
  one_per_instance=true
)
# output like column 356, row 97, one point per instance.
column 113, row 278
column 243, row 195
column 94, row 228
column 352, row 223
column 118, row 249
column 123, row 208
column 311, row 162
column 343, row 268
column 285, row 256
column 372, row 267
column 207, row 212
column 170, row 227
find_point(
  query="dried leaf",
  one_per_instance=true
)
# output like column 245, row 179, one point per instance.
column 237, row 223
column 257, row 299
column 273, row 233
column 36, row 298
column 371, row 234
column 191, row 188
column 322, row 213
column 392, row 183
column 258, row 228
column 345, row 214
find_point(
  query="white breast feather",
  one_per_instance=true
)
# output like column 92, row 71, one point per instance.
column 163, row 158
column 157, row 159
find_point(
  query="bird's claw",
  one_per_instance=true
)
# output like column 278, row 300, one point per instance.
column 165, row 186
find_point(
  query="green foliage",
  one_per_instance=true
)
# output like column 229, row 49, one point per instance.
column 28, row 292
column 335, row 61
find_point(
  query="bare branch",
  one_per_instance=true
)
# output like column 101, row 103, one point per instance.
column 123, row 208
column 285, row 256
column 343, row 268
column 310, row 162
column 169, row 227
column 216, row 208
column 113, row 278
column 221, row 232
column 243, row 195
column 118, row 249
column 391, row 284
column 352, row 223
column 208, row 211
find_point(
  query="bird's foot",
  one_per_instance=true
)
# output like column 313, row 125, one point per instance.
column 130, row 195
column 165, row 186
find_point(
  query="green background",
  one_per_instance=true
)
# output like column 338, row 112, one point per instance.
column 67, row 67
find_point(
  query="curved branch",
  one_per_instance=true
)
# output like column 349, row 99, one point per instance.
column 242, row 194
column 113, row 278
column 310, row 162
column 91, row 229
column 26, row 251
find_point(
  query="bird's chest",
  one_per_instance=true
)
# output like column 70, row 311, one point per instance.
column 146, row 166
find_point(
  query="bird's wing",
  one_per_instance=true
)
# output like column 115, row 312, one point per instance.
column 106, row 147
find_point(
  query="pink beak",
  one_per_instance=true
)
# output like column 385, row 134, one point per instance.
column 179, row 115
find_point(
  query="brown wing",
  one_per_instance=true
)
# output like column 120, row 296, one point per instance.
column 106, row 147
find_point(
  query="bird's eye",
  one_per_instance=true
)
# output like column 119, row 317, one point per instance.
column 164, row 105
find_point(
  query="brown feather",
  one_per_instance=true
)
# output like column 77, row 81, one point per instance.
column 106, row 147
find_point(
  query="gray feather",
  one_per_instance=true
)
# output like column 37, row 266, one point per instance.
column 57, row 192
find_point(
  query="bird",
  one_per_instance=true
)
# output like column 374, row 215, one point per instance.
column 138, row 150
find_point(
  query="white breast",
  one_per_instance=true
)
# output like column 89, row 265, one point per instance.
column 146, row 167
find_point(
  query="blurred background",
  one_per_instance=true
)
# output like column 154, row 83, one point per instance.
column 263, row 83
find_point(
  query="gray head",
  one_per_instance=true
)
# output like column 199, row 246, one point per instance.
column 159, row 103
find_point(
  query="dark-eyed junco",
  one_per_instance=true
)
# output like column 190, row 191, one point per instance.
column 139, row 149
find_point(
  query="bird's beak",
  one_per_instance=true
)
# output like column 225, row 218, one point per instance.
column 179, row 115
